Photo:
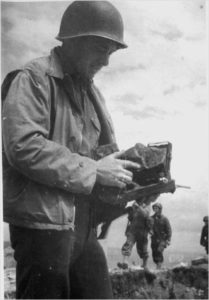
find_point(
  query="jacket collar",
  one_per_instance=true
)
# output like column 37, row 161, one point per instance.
column 55, row 68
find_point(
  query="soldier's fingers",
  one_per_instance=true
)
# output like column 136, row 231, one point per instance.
column 125, row 178
column 117, row 154
column 119, row 183
column 128, row 173
column 130, row 164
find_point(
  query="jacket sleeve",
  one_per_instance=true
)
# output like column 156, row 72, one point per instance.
column 129, row 210
column 149, row 224
column 168, row 229
column 203, row 237
column 26, row 126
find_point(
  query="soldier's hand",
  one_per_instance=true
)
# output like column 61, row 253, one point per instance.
column 113, row 171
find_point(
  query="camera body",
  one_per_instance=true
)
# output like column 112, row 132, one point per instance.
column 153, row 178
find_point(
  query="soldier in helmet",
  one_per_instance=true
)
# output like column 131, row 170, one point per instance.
column 53, row 119
column 161, row 236
column 204, row 234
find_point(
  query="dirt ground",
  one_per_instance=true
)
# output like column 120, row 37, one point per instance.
column 181, row 282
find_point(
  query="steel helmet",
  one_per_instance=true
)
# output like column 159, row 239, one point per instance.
column 157, row 205
column 205, row 219
column 92, row 18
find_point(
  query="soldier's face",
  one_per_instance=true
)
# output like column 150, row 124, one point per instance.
column 92, row 53
column 156, row 210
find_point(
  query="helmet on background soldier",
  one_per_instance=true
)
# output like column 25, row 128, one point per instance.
column 158, row 205
column 205, row 219
column 92, row 18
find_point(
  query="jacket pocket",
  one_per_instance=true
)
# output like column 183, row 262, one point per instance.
column 14, row 183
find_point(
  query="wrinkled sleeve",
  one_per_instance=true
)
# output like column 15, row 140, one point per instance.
column 168, row 229
column 26, row 126
column 149, row 223
column 202, row 237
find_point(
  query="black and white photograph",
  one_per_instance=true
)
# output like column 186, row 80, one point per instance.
column 104, row 139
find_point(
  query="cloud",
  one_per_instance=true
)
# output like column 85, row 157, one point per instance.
column 171, row 90
column 129, row 99
column 193, row 94
column 123, row 68
column 170, row 33
column 201, row 104
column 188, row 208
column 148, row 112
column 28, row 31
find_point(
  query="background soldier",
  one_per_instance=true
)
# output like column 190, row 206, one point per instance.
column 161, row 236
column 53, row 119
column 204, row 234
column 139, row 225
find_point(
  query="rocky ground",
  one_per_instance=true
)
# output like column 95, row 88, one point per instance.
column 9, row 283
column 181, row 282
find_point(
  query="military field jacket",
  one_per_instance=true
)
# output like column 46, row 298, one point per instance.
column 204, row 236
column 161, row 228
column 139, row 221
column 43, row 171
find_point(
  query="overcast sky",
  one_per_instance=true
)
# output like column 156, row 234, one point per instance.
column 156, row 89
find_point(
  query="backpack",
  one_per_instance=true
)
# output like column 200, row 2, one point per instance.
column 6, row 84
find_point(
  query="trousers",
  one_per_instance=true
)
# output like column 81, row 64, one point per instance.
column 55, row 264
column 158, row 247
column 141, row 242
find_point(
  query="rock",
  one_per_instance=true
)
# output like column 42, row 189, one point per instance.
column 181, row 282
column 9, row 283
